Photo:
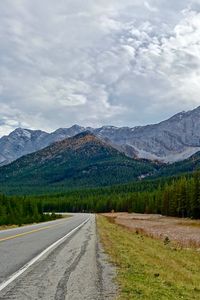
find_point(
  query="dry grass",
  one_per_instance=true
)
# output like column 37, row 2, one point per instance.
column 149, row 268
column 4, row 227
column 182, row 232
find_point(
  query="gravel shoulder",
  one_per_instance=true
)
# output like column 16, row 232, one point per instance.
column 77, row 269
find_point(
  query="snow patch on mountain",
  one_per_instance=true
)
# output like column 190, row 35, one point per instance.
column 173, row 157
column 172, row 140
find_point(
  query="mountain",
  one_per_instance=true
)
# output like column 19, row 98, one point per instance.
column 19, row 143
column 81, row 161
column 172, row 140
column 24, row 141
column 169, row 141
column 186, row 166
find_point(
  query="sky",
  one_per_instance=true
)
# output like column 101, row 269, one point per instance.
column 95, row 63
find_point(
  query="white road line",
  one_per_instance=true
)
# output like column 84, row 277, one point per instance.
column 32, row 261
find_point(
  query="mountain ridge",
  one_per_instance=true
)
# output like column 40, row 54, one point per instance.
column 171, row 140
column 80, row 161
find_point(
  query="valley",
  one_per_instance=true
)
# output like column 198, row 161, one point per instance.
column 99, row 150
column 147, row 211
column 76, row 158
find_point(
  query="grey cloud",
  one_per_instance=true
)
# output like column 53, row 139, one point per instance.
column 97, row 62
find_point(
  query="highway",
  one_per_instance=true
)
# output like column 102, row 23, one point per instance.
column 60, row 259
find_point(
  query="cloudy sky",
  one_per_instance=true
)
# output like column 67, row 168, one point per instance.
column 129, row 62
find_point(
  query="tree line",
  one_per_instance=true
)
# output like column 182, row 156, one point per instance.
column 179, row 197
column 20, row 210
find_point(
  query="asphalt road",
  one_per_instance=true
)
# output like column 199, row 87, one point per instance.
column 75, row 268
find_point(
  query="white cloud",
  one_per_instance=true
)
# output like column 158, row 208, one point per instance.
column 97, row 62
column 149, row 7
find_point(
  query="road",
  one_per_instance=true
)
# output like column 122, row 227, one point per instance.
column 59, row 260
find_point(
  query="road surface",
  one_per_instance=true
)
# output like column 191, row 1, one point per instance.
column 57, row 260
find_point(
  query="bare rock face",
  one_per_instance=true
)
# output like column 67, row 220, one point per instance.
column 25, row 141
column 175, row 139
column 172, row 140
column 20, row 142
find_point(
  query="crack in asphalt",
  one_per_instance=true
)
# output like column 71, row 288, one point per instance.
column 61, row 290
column 77, row 269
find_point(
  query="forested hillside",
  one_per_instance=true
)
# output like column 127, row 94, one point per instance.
column 85, row 174
column 82, row 161
column 182, row 167
column 180, row 197
column 172, row 197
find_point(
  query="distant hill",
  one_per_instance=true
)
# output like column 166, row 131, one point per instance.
column 182, row 167
column 81, row 161
column 172, row 140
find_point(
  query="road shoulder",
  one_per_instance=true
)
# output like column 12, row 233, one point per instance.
column 76, row 269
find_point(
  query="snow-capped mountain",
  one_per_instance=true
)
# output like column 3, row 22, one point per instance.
column 172, row 140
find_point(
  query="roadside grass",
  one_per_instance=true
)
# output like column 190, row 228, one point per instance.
column 4, row 227
column 148, row 268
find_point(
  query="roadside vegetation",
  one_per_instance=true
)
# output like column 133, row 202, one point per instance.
column 19, row 211
column 148, row 268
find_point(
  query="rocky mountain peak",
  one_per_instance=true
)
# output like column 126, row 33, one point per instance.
column 77, row 141
column 171, row 140
column 21, row 132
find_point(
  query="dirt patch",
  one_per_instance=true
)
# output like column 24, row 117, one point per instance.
column 185, row 232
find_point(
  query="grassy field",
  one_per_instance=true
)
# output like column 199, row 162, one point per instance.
column 182, row 232
column 148, row 268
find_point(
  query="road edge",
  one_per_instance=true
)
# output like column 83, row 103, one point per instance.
column 14, row 276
